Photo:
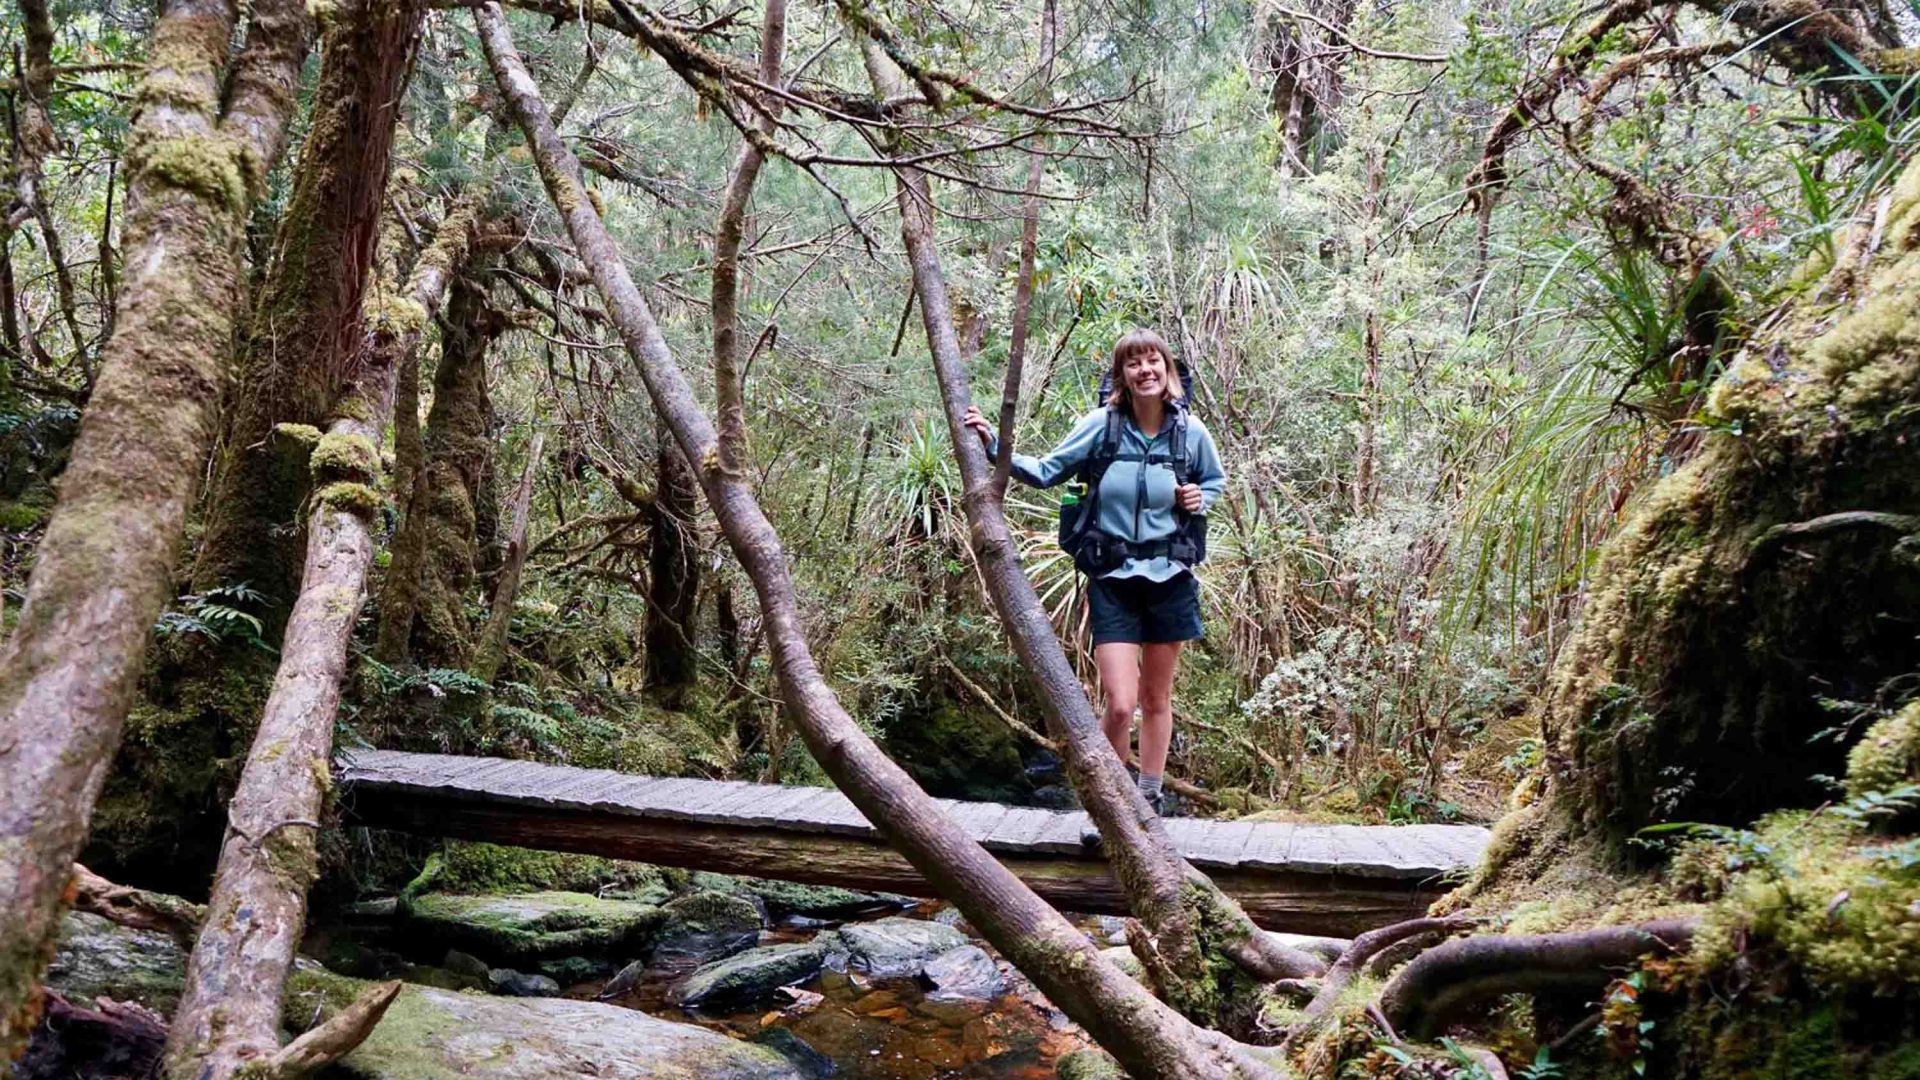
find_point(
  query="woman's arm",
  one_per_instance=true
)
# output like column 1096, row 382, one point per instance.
column 1061, row 463
column 1207, row 470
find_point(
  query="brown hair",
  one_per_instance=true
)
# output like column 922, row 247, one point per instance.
column 1140, row 340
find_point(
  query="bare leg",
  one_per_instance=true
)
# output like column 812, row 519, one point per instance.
column 1119, row 664
column 1158, row 664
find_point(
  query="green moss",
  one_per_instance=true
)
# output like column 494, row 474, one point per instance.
column 1089, row 1065
column 351, row 498
column 345, row 457
column 19, row 517
column 397, row 316
column 304, row 434
column 531, row 926
column 491, row 868
column 205, row 165
column 1888, row 756
column 1828, row 895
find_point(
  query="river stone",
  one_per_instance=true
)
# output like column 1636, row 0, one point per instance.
column 527, row 927
column 518, row 984
column 812, row 1064
column 750, row 976
column 964, row 974
column 1122, row 957
column 434, row 1035
column 1089, row 1065
column 704, row 926
column 896, row 947
column 100, row 958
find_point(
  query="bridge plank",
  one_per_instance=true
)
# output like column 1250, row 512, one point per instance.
column 1418, row 852
column 1269, row 846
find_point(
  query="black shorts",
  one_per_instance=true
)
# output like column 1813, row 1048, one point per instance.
column 1143, row 611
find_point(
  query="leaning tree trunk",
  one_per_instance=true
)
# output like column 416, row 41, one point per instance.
column 1770, row 575
column 229, row 1015
column 1148, row 1038
column 305, row 325
column 1186, row 922
column 104, row 568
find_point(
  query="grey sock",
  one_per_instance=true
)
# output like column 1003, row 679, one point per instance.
column 1150, row 785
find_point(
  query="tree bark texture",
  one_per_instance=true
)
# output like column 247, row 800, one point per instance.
column 304, row 334
column 229, row 1014
column 423, row 613
column 1718, row 622
column 104, row 568
column 729, row 402
column 492, row 650
column 673, row 578
column 1148, row 1038
column 1023, row 280
column 1145, row 861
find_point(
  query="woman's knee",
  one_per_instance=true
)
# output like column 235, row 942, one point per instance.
column 1119, row 708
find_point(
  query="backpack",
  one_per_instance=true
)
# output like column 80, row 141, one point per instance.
column 1094, row 552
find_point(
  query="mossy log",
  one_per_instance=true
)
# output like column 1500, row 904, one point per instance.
column 207, row 132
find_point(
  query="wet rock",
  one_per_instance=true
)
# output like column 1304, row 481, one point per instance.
column 464, row 964
column 897, row 948
column 1089, row 1065
column 441, row 978
column 626, row 979
column 573, row 970
column 526, row 927
column 434, row 1035
column 705, row 926
column 750, row 976
column 1122, row 957
column 811, row 1063
column 518, row 984
column 791, row 902
column 98, row 958
column 1109, row 930
column 963, row 974
column 372, row 910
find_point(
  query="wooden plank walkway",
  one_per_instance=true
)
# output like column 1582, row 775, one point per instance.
column 1312, row 878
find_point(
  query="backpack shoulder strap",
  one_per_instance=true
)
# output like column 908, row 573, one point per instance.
column 1177, row 447
column 1106, row 449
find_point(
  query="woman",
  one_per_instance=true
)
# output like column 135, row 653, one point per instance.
column 1148, row 605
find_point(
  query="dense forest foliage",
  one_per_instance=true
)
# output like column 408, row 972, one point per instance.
column 581, row 382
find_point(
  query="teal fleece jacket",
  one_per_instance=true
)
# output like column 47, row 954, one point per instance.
column 1123, row 513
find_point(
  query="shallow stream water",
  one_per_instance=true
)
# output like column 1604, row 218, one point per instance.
column 888, row 1029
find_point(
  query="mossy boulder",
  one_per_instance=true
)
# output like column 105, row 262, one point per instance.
column 706, row 925
column 1089, row 1065
column 431, row 1034
column 749, row 977
column 97, row 958
column 529, row 927
column 790, row 899
column 896, row 947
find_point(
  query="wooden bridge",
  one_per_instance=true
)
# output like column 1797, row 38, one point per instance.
column 1310, row 879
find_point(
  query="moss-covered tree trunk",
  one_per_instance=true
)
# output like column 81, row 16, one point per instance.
column 306, row 323
column 207, row 133
column 1774, row 574
column 673, row 578
column 423, row 606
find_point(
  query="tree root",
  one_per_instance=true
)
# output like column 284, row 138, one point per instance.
column 1442, row 981
column 1365, row 947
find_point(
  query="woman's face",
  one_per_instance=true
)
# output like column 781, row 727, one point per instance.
column 1145, row 371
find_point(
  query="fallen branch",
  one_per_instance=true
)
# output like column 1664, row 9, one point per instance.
column 1364, row 948
column 1448, row 978
column 337, row 1037
column 136, row 908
